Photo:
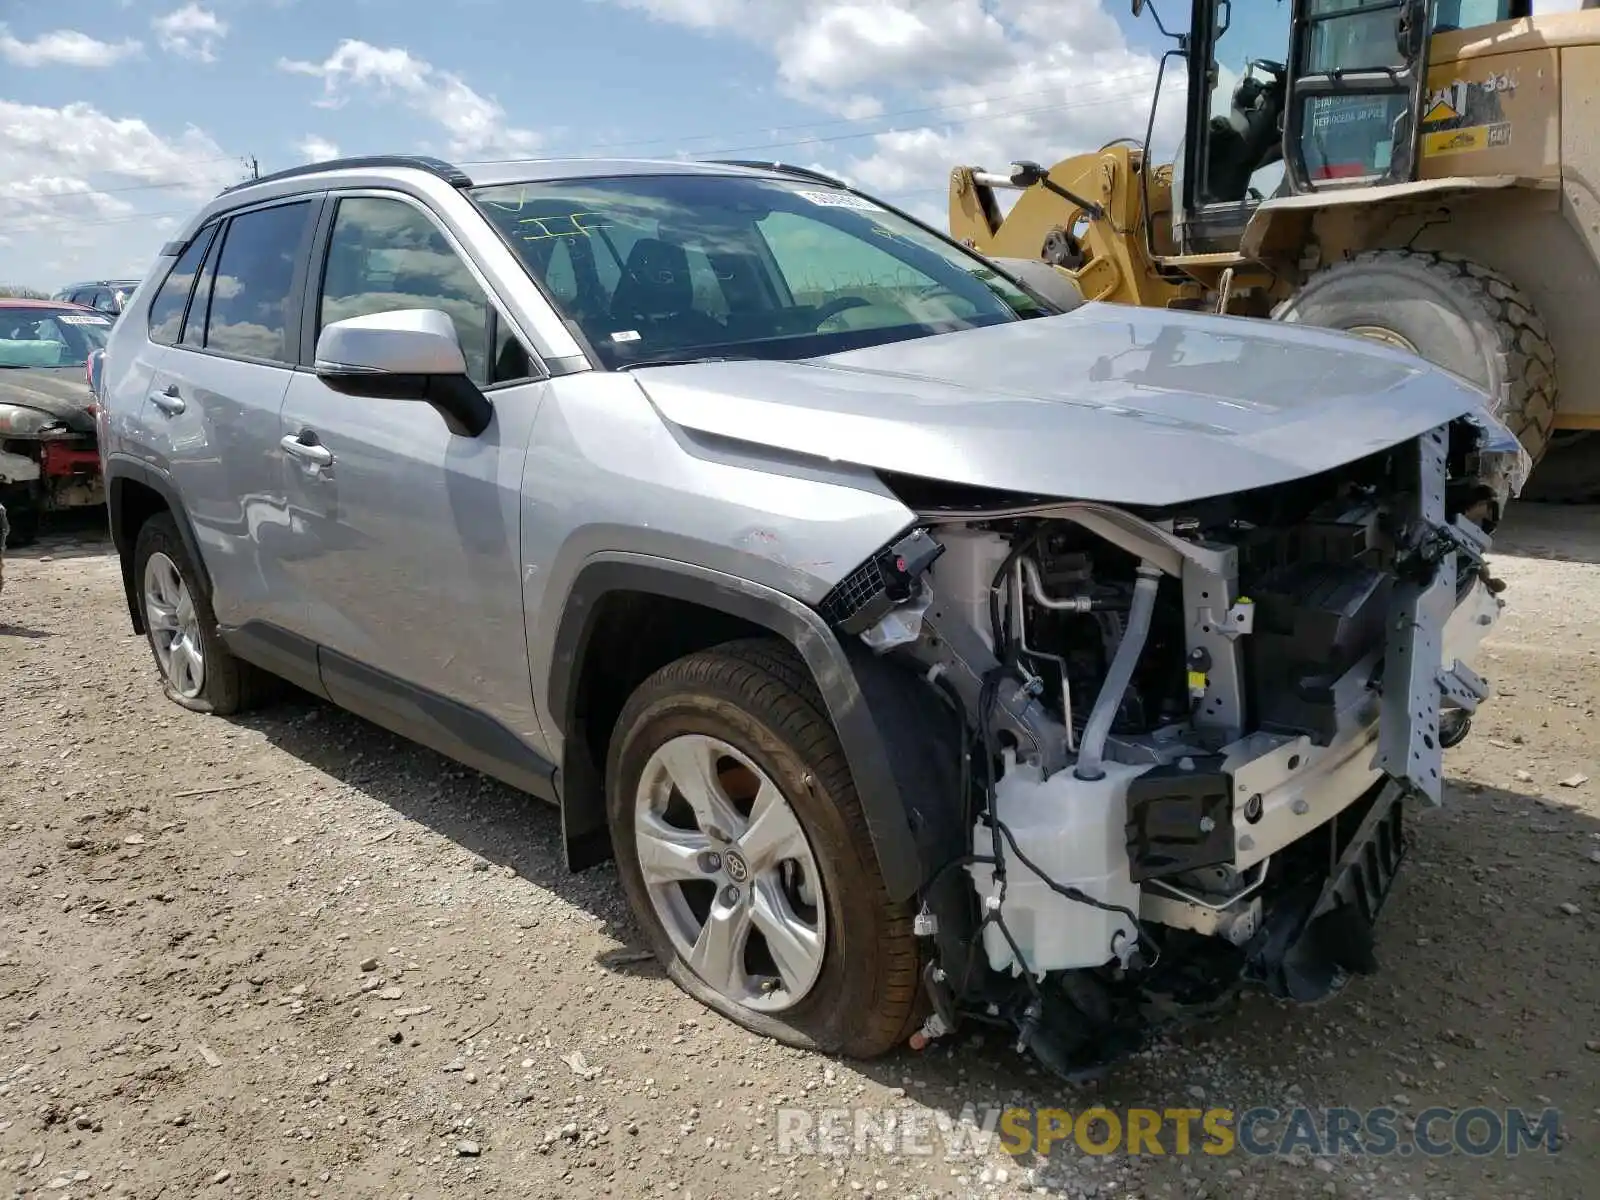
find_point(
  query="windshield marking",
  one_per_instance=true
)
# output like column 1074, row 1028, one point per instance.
column 838, row 200
column 578, row 230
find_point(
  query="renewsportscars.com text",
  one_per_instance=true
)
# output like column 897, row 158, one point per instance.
column 1262, row 1131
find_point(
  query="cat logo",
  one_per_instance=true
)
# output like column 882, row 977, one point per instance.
column 1454, row 101
column 1447, row 104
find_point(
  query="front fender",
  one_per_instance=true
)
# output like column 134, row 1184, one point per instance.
column 1279, row 225
column 867, row 700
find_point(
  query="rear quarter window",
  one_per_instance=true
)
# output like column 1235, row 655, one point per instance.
column 166, row 310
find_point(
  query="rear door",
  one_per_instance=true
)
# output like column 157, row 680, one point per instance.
column 1357, row 78
column 216, row 401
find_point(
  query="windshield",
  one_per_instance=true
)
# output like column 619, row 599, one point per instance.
column 659, row 268
column 50, row 337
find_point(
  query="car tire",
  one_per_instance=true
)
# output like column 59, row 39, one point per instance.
column 22, row 517
column 181, row 628
column 1455, row 313
column 835, row 971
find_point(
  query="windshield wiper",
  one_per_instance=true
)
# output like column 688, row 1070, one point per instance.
column 685, row 360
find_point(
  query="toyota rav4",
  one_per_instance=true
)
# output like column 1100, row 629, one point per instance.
column 924, row 647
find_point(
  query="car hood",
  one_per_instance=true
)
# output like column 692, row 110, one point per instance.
column 63, row 392
column 1108, row 403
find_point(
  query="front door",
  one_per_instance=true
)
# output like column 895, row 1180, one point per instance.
column 1357, row 73
column 409, row 555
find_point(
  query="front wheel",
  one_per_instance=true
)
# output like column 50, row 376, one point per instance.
column 744, row 853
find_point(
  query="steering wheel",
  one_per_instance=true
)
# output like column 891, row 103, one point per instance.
column 826, row 312
column 1276, row 69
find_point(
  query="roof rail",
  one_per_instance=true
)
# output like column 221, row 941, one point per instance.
column 780, row 168
column 451, row 174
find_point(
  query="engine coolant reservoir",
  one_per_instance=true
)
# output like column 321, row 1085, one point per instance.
column 1074, row 831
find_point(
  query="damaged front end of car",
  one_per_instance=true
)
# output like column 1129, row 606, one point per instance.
column 49, row 461
column 1189, row 731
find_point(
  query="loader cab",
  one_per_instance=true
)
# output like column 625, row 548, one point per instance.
column 1287, row 97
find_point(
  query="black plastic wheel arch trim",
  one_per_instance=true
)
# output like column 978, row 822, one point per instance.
column 119, row 472
column 865, row 747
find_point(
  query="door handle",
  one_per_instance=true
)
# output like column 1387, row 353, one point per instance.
column 168, row 400
column 312, row 452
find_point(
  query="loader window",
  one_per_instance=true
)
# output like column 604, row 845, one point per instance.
column 1469, row 14
column 1350, row 137
column 1241, row 128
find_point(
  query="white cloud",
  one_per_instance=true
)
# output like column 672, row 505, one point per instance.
column 87, row 193
column 476, row 124
column 64, row 48
column 978, row 82
column 316, row 149
column 190, row 32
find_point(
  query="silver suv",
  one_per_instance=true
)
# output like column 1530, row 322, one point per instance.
column 923, row 649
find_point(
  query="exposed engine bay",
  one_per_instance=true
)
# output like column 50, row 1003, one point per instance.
column 1190, row 732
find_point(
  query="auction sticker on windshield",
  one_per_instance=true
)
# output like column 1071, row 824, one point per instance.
column 839, row 200
column 81, row 319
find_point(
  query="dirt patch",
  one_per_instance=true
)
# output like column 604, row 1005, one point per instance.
column 292, row 955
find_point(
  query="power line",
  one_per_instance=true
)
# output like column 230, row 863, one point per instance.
column 129, row 187
column 22, row 224
column 252, row 164
column 838, row 137
column 1110, row 80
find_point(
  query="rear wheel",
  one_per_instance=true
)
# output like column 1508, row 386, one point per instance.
column 197, row 669
column 745, row 856
column 1453, row 312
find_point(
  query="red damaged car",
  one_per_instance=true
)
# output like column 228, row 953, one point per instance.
column 49, row 455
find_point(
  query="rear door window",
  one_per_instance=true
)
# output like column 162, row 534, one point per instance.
column 253, row 294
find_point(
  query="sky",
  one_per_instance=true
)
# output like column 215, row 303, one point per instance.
column 119, row 118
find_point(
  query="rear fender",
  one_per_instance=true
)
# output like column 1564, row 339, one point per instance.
column 126, row 516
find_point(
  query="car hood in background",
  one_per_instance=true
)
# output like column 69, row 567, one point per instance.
column 1109, row 403
column 63, row 392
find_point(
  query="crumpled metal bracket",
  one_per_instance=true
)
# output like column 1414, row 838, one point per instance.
column 1415, row 683
column 1463, row 687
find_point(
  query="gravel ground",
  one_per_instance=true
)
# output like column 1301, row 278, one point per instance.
column 290, row 955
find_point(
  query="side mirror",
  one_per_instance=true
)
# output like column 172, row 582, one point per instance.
column 1138, row 7
column 404, row 354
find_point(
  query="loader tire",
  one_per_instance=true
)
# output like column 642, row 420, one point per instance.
column 1455, row 313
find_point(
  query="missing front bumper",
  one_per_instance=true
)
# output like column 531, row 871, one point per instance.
column 1316, row 936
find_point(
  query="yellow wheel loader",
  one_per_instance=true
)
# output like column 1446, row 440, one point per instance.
column 1424, row 172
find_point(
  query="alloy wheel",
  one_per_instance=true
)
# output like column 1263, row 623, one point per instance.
column 730, row 873
column 174, row 626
